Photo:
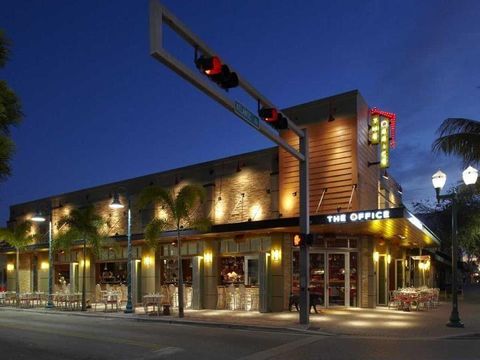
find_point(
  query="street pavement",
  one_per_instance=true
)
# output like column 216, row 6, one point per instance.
column 334, row 334
column 42, row 336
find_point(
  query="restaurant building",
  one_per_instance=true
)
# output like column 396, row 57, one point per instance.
column 366, row 242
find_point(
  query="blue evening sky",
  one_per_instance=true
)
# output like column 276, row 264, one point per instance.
column 100, row 109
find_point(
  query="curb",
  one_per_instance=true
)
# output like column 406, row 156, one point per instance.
column 174, row 321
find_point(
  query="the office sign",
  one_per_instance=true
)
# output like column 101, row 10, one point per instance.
column 361, row 216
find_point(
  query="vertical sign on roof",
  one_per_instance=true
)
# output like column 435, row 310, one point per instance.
column 373, row 134
column 384, row 143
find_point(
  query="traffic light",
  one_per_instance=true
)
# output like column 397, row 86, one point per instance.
column 299, row 239
column 217, row 72
column 274, row 118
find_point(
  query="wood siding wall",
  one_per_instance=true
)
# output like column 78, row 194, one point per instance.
column 333, row 158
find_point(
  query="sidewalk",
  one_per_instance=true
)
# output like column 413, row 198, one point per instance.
column 380, row 322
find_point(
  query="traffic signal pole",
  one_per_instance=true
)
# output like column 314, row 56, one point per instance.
column 160, row 16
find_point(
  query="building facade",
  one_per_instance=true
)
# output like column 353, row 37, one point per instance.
column 366, row 243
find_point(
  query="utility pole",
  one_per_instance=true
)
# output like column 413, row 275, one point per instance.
column 223, row 77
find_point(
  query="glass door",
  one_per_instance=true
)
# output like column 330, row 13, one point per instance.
column 317, row 278
column 251, row 270
column 337, row 279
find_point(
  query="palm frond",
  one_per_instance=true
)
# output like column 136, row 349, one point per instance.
column 460, row 137
column 153, row 231
column 155, row 194
column 202, row 224
column 18, row 237
column 65, row 239
column 187, row 198
column 81, row 224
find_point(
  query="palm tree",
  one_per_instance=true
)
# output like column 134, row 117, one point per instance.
column 10, row 113
column 181, row 215
column 81, row 224
column 461, row 137
column 19, row 237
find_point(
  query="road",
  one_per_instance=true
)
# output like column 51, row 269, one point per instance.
column 27, row 335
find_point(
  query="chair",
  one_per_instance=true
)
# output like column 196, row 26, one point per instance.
column 394, row 299
column 98, row 296
column 187, row 296
column 231, row 303
column 241, row 297
column 221, row 298
column 255, row 298
column 112, row 299
column 173, row 292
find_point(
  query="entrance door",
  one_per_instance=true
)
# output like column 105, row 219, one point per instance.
column 338, row 279
column 317, row 276
column 382, row 280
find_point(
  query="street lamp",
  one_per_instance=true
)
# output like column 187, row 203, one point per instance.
column 439, row 179
column 39, row 217
column 116, row 204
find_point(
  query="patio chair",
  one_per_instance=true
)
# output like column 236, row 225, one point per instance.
column 242, row 297
column 221, row 297
column 98, row 296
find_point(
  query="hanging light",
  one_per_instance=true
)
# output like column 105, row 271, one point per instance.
column 439, row 179
column 470, row 175
column 38, row 217
column 116, row 204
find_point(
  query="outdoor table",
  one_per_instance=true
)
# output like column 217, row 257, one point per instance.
column 156, row 300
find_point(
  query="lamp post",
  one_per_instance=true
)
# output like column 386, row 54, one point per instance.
column 470, row 176
column 39, row 217
column 116, row 204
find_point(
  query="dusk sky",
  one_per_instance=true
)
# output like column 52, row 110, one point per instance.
column 98, row 108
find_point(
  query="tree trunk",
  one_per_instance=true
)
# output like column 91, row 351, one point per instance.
column 180, row 274
column 17, row 277
column 84, row 289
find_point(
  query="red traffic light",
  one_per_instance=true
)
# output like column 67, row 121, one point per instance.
column 299, row 239
column 209, row 65
column 273, row 118
column 217, row 72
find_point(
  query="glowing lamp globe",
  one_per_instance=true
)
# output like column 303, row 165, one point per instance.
column 38, row 217
column 439, row 179
column 470, row 176
column 116, row 204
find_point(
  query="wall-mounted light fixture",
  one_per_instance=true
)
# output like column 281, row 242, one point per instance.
column 10, row 267
column 276, row 255
column 208, row 257
column 294, row 193
column 389, row 259
column 44, row 265
column 87, row 263
column 376, row 256
column 147, row 260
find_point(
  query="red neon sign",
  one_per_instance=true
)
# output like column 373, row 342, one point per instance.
column 393, row 123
